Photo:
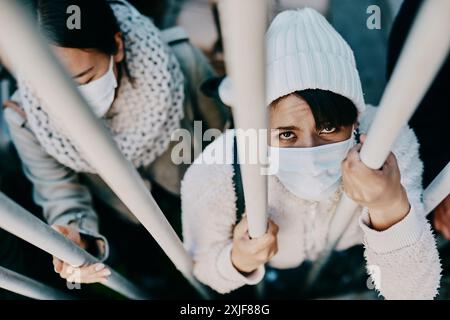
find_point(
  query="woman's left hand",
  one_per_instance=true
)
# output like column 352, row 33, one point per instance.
column 89, row 273
column 378, row 190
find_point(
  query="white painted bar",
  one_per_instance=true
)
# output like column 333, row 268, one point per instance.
column 21, row 223
column 438, row 190
column 422, row 56
column 244, row 25
column 424, row 52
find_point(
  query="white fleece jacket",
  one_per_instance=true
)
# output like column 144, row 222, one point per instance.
column 404, row 257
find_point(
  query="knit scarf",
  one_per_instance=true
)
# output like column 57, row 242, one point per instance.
column 144, row 113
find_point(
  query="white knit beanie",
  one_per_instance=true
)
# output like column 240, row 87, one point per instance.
column 305, row 52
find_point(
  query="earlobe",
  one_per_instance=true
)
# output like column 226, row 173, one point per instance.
column 357, row 133
column 120, row 54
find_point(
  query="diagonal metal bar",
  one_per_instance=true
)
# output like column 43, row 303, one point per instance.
column 20, row 284
column 402, row 96
column 21, row 223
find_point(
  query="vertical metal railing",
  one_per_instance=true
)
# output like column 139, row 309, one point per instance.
column 438, row 190
column 244, row 26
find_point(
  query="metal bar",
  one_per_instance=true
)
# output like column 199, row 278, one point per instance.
column 438, row 190
column 21, row 223
column 20, row 284
column 244, row 26
column 403, row 94
column 67, row 107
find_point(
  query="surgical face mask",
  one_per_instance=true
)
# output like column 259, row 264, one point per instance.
column 100, row 93
column 311, row 173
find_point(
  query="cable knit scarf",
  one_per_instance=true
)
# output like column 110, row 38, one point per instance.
column 144, row 113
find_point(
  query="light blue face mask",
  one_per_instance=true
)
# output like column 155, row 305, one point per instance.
column 100, row 93
column 311, row 173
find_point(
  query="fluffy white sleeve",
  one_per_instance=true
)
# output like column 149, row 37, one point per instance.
column 208, row 218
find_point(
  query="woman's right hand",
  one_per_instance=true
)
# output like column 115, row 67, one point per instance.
column 84, row 274
column 248, row 254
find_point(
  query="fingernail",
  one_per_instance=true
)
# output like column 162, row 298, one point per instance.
column 99, row 267
column 107, row 272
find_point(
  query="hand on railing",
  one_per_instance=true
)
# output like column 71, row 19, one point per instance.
column 378, row 190
column 84, row 274
column 248, row 254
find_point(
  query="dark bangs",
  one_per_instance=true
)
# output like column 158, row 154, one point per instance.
column 98, row 24
column 329, row 109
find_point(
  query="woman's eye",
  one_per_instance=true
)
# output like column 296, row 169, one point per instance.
column 287, row 135
column 327, row 130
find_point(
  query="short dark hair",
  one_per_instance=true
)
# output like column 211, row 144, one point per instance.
column 329, row 109
column 98, row 24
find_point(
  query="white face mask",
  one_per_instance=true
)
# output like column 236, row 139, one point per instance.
column 100, row 93
column 311, row 173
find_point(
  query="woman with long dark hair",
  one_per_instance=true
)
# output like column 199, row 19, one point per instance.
column 141, row 88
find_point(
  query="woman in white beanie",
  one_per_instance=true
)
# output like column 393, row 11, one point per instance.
column 141, row 84
column 316, row 108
